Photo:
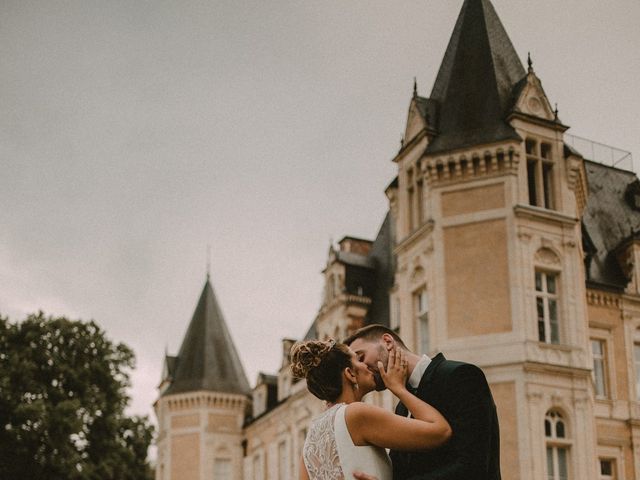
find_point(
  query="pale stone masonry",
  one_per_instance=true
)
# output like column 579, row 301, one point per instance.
column 502, row 246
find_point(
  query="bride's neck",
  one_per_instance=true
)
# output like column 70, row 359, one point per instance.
column 348, row 395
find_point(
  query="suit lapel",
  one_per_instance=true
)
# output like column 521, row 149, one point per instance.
column 431, row 370
column 422, row 389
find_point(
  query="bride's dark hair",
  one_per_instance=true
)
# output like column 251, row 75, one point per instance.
column 321, row 363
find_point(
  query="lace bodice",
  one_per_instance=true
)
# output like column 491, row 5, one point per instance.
column 320, row 452
column 329, row 450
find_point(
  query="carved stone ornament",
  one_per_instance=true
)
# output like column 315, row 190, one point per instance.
column 534, row 104
column 546, row 256
column 417, row 275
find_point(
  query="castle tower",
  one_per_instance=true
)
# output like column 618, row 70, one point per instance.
column 203, row 401
column 489, row 259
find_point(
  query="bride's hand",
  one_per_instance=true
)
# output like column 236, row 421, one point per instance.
column 363, row 476
column 395, row 376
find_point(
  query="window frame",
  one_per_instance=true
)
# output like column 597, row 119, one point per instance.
column 614, row 469
column 555, row 443
column 540, row 167
column 216, row 462
column 284, row 473
column 546, row 298
column 604, row 360
column 636, row 365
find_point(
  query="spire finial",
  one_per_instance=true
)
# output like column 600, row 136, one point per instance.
column 401, row 142
column 415, row 87
column 555, row 112
column 208, row 261
column 529, row 62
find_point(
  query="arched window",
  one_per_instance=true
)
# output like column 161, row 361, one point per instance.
column 558, row 444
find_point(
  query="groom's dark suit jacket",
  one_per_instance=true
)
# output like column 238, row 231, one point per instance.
column 461, row 393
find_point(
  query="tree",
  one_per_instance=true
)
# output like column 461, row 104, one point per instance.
column 62, row 400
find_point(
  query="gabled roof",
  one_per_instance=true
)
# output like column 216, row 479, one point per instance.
column 473, row 88
column 208, row 359
column 608, row 221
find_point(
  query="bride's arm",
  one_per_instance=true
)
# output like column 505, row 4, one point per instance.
column 373, row 425
column 395, row 379
column 304, row 475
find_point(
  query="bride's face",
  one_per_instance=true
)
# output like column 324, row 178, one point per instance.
column 364, row 377
column 370, row 353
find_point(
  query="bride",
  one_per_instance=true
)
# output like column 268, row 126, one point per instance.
column 350, row 435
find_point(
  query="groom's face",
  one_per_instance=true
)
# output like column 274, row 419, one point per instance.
column 371, row 352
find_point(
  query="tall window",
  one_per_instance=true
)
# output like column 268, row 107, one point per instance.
column 599, row 367
column 607, row 469
column 636, row 356
column 258, row 473
column 547, row 307
column 558, row 444
column 421, row 305
column 222, row 469
column 540, row 173
column 283, row 461
column 411, row 198
column 420, row 200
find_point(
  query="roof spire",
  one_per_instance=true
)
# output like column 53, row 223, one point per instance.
column 208, row 261
column 473, row 88
column 529, row 62
column 555, row 113
column 415, row 87
column 208, row 359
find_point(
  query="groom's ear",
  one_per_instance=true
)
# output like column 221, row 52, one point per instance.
column 388, row 341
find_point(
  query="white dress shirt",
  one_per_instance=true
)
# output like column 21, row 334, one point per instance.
column 418, row 371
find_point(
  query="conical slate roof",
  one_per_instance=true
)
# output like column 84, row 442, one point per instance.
column 208, row 359
column 475, row 82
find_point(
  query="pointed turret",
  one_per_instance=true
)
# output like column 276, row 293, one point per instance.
column 208, row 359
column 473, row 89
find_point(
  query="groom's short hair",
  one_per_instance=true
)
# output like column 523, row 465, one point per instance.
column 373, row 332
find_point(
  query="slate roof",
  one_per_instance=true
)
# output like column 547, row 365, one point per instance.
column 608, row 221
column 355, row 259
column 383, row 276
column 473, row 88
column 208, row 359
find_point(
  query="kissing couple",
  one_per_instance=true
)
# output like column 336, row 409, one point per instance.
column 445, row 426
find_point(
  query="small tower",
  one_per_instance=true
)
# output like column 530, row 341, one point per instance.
column 203, row 401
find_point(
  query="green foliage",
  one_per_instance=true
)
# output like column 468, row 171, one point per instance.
column 62, row 400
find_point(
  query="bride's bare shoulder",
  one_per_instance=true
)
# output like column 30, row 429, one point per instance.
column 360, row 411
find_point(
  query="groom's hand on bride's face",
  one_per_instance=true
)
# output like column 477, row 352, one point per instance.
column 363, row 476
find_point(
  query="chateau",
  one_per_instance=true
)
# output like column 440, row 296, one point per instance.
column 503, row 246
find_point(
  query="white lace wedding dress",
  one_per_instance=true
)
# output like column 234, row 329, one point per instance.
column 329, row 452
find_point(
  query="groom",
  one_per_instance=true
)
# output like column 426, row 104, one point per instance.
column 459, row 391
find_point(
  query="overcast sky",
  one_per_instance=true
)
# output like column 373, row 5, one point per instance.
column 135, row 133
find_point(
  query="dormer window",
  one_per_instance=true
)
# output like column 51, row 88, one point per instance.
column 540, row 173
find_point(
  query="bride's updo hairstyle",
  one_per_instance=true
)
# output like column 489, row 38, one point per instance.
column 321, row 364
